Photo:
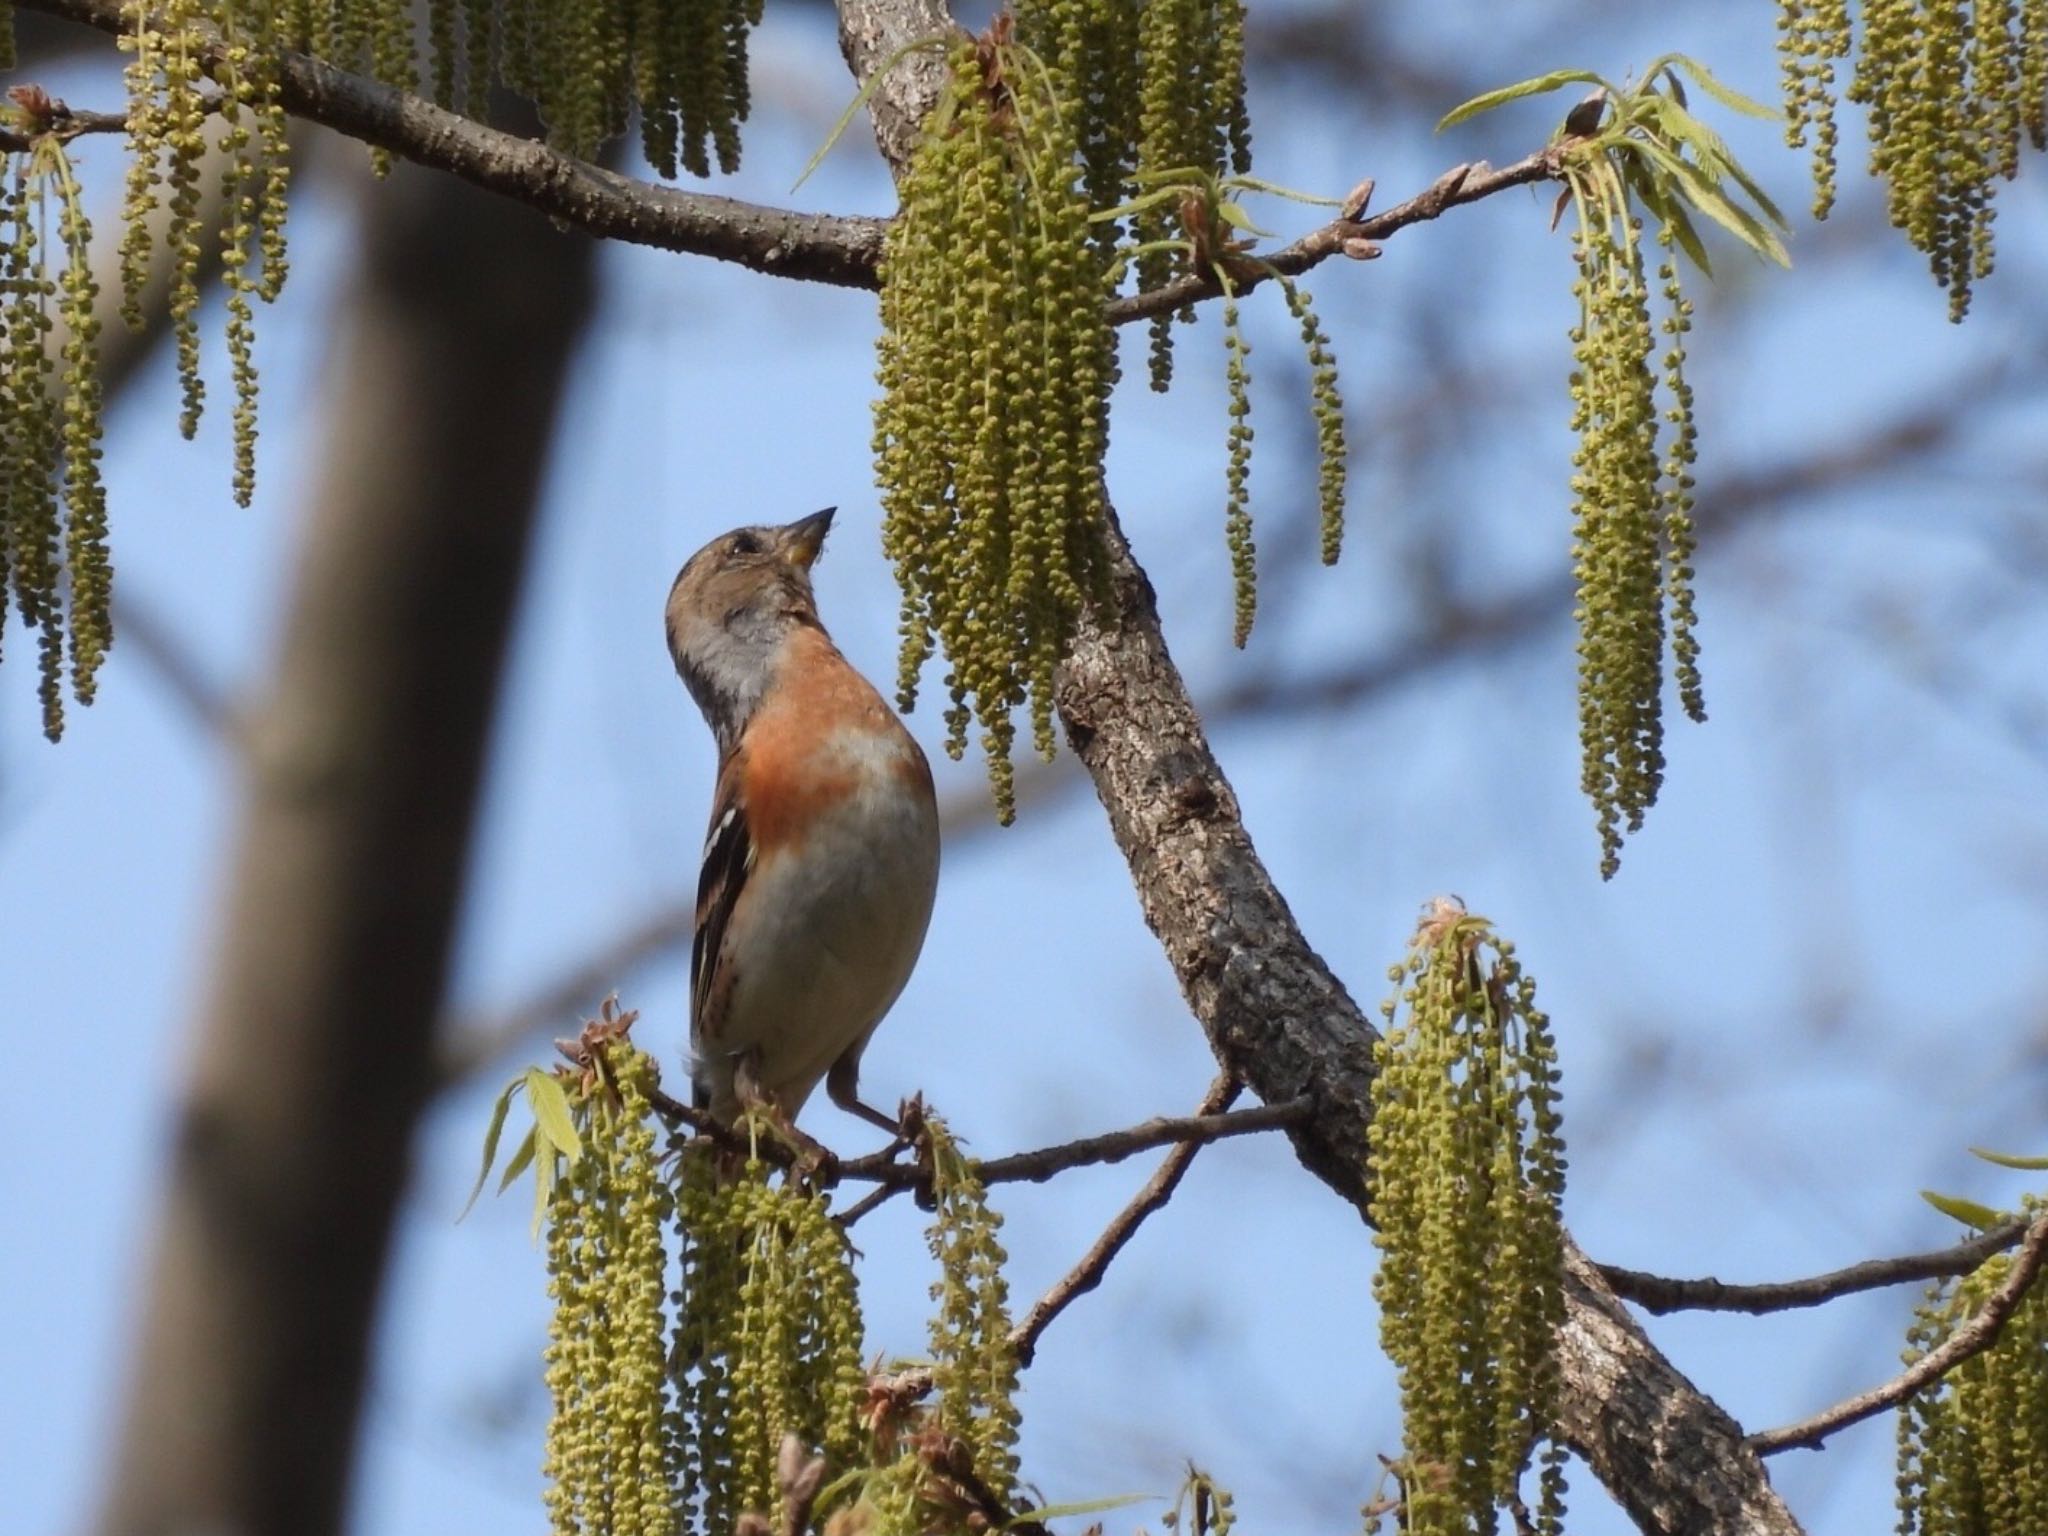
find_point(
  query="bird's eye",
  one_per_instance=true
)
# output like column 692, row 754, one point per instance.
column 746, row 542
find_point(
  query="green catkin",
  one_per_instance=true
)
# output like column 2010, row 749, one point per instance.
column 1327, row 406
column 1973, row 1446
column 1681, row 538
column 86, row 564
column 1467, row 1161
column 2033, row 74
column 611, row 1458
column 1950, row 86
column 769, row 1339
column 1632, row 529
column 53, row 515
column 1237, row 518
column 995, row 363
column 974, row 1365
column 183, row 122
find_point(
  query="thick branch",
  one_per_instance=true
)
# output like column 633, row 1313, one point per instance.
column 815, row 247
column 1973, row 1338
column 1275, row 1015
column 1655, row 1293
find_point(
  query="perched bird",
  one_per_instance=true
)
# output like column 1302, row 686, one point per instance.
column 823, row 854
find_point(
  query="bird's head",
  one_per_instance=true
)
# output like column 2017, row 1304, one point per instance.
column 732, row 606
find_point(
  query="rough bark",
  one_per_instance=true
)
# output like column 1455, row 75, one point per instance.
column 312, row 1056
column 1276, row 1016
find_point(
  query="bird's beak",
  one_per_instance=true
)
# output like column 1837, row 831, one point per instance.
column 804, row 538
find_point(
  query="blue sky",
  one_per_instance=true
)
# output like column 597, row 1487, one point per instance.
column 1814, row 983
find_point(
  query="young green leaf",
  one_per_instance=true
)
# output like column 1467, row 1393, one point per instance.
column 1082, row 1507
column 2011, row 1160
column 543, row 1184
column 1729, row 97
column 1968, row 1212
column 1540, row 86
column 1234, row 215
column 491, row 1134
column 551, row 1113
column 522, row 1156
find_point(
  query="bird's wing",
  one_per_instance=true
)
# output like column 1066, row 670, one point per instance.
column 728, row 860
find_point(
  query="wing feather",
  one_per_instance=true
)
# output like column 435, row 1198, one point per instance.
column 728, row 860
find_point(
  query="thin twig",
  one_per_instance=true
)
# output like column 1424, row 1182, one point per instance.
column 906, row 1387
column 1973, row 1338
column 1086, row 1275
column 1657, row 1293
column 1110, row 1147
column 1459, row 185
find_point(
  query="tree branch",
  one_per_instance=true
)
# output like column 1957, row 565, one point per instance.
column 1352, row 234
column 840, row 249
column 815, row 247
column 1973, row 1338
column 1036, row 1167
column 1655, row 1293
column 1087, row 1274
column 907, row 1387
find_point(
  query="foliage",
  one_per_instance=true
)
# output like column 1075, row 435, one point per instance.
column 1950, row 88
column 1467, row 1164
column 53, row 508
column 769, row 1338
column 586, row 63
column 1627, row 154
column 1973, row 1447
column 995, row 362
column 612, row 1455
column 974, row 1362
column 1217, row 242
column 1157, row 91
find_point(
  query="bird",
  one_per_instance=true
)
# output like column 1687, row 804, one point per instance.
column 821, row 864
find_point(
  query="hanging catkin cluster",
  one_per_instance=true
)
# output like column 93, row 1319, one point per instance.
column 53, row 510
column 1951, row 86
column 611, row 1458
column 1973, row 1447
column 1157, row 91
column 770, row 1341
column 1632, row 524
column 974, row 1363
column 169, row 108
column 208, row 164
column 586, row 64
column 1325, row 405
column 951, row 1465
column 1467, row 1163
column 995, row 363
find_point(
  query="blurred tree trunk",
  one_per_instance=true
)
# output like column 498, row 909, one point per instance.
column 311, row 1058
